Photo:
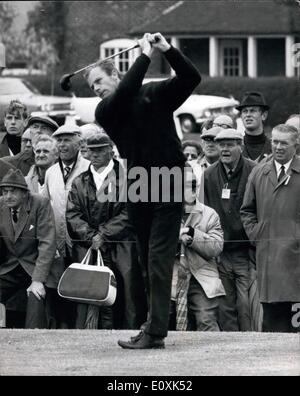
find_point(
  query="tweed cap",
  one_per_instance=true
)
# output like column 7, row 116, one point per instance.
column 46, row 120
column 229, row 133
column 253, row 99
column 223, row 119
column 67, row 129
column 211, row 133
column 99, row 139
column 14, row 178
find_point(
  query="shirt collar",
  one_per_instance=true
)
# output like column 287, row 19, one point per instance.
column 68, row 166
column 286, row 166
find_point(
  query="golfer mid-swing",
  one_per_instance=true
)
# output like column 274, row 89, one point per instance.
column 139, row 119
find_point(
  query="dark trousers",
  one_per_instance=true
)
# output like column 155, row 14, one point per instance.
column 234, row 309
column 202, row 311
column 278, row 317
column 157, row 226
column 15, row 281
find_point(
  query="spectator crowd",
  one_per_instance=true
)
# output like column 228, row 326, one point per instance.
column 237, row 265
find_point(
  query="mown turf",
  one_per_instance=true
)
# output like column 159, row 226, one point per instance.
column 92, row 352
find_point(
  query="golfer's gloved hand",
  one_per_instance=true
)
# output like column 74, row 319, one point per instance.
column 38, row 289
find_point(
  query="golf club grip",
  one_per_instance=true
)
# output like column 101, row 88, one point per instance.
column 108, row 57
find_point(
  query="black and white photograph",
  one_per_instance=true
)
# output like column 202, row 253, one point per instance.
column 150, row 191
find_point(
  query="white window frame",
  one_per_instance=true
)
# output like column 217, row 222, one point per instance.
column 124, row 61
column 237, row 44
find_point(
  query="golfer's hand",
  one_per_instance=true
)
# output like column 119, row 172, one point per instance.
column 97, row 242
column 37, row 288
column 145, row 44
column 158, row 41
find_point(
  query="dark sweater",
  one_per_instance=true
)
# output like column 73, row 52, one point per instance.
column 139, row 118
column 215, row 178
column 256, row 147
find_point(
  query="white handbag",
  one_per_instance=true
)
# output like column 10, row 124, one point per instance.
column 89, row 284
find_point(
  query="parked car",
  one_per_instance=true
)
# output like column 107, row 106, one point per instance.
column 198, row 108
column 188, row 117
column 57, row 107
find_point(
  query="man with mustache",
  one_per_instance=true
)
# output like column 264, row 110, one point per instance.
column 224, row 187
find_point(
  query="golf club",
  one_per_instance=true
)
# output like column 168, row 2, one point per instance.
column 65, row 82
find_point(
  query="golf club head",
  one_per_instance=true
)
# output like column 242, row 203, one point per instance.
column 65, row 82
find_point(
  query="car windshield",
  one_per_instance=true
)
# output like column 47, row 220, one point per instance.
column 16, row 87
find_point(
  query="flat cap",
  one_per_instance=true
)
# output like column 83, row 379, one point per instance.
column 67, row 129
column 98, row 139
column 211, row 133
column 223, row 119
column 229, row 133
column 44, row 119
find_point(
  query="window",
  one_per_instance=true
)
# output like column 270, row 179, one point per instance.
column 123, row 61
column 231, row 61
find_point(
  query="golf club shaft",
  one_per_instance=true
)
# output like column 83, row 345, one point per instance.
column 108, row 57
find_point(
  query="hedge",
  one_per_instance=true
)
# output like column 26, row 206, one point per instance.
column 282, row 94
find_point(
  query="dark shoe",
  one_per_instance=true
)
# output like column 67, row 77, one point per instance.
column 146, row 341
column 142, row 330
column 137, row 337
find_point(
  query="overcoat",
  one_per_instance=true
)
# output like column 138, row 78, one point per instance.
column 271, row 217
column 57, row 190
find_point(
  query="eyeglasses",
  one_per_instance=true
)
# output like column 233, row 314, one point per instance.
column 190, row 156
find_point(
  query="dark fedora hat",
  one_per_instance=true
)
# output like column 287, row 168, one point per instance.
column 14, row 178
column 253, row 99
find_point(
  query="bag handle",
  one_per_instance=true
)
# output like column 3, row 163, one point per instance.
column 99, row 258
column 87, row 257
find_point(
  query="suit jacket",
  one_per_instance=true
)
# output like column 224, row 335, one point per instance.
column 271, row 217
column 32, row 243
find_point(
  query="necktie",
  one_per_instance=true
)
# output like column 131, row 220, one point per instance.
column 15, row 215
column 230, row 173
column 67, row 172
column 282, row 173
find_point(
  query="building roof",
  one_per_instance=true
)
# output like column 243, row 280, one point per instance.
column 242, row 17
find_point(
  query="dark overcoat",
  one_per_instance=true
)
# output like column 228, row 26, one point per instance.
column 86, row 217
